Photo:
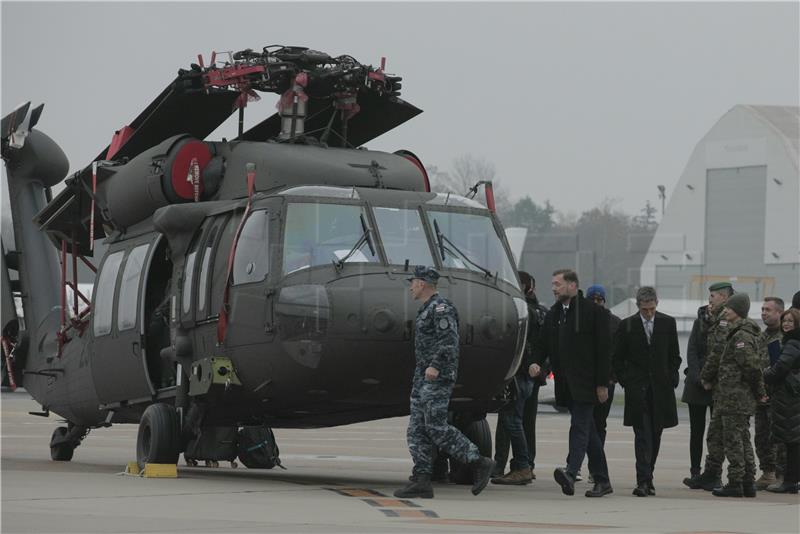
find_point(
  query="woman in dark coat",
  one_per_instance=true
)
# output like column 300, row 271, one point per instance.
column 694, row 394
column 784, row 375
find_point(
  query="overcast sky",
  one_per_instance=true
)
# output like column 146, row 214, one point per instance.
column 572, row 102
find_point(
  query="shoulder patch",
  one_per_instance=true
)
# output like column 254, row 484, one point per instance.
column 444, row 323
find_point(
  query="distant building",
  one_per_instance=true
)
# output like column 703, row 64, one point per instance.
column 735, row 213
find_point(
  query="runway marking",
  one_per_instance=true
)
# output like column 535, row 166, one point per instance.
column 390, row 507
column 357, row 492
column 397, row 503
column 410, row 513
column 513, row 524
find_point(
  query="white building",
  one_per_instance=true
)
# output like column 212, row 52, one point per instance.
column 735, row 213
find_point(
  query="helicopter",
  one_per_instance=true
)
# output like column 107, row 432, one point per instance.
column 246, row 284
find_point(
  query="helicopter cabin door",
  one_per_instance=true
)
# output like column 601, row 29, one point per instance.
column 119, row 364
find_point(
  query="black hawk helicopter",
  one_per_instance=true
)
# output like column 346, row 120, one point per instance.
column 248, row 284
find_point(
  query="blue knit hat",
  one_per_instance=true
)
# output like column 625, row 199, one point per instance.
column 596, row 290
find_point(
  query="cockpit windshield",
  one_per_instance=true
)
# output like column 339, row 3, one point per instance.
column 321, row 234
column 403, row 236
column 473, row 244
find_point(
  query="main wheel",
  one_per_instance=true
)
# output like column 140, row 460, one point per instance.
column 60, row 450
column 158, row 441
column 480, row 433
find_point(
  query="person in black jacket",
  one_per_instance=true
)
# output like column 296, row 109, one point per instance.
column 647, row 362
column 575, row 339
column 510, row 421
column 784, row 376
column 536, row 313
column 597, row 294
column 694, row 394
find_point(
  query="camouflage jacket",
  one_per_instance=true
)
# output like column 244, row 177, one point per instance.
column 436, row 340
column 738, row 380
column 716, row 335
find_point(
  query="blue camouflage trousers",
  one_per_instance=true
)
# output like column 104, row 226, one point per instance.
column 428, row 429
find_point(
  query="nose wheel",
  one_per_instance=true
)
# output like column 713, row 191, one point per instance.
column 64, row 441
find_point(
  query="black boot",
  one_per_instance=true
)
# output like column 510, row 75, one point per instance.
column 693, row 482
column 731, row 489
column 481, row 472
column 710, row 480
column 749, row 488
column 420, row 488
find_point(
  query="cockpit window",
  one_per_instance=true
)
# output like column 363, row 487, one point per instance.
column 471, row 242
column 403, row 236
column 251, row 263
column 320, row 234
column 322, row 191
column 451, row 199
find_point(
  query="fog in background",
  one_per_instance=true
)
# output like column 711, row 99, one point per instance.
column 572, row 102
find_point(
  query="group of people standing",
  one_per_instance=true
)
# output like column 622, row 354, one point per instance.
column 589, row 350
column 735, row 371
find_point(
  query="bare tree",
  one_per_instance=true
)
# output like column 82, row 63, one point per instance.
column 468, row 170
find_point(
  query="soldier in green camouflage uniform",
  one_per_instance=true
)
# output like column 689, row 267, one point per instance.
column 737, row 383
column 717, row 334
column 436, row 346
column 771, row 455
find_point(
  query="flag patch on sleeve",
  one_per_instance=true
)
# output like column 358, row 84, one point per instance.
column 740, row 345
column 440, row 308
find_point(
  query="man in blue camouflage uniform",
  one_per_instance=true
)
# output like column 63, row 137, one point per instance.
column 436, row 346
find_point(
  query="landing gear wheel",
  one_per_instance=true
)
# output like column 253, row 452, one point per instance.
column 158, row 441
column 60, row 450
column 479, row 433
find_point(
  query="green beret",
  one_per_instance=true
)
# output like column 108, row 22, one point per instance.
column 719, row 286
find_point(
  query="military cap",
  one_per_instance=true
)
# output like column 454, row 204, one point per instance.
column 426, row 274
column 719, row 286
column 739, row 303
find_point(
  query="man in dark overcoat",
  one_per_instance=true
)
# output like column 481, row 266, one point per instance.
column 576, row 340
column 646, row 362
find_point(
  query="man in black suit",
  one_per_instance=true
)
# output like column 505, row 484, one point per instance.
column 576, row 340
column 646, row 362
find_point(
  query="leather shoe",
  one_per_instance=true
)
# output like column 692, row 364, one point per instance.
column 642, row 489
column 565, row 480
column 651, row 490
column 600, row 489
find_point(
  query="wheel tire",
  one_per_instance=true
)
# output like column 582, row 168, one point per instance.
column 158, row 441
column 61, row 452
column 480, row 433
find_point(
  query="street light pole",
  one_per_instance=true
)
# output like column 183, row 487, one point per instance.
column 662, row 194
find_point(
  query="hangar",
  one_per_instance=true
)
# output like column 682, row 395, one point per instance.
column 734, row 214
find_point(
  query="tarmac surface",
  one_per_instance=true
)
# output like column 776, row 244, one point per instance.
column 341, row 480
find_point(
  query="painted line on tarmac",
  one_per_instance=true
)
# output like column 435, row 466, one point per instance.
column 388, row 506
column 512, row 524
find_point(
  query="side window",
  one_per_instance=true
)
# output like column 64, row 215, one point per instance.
column 202, row 286
column 251, row 263
column 220, row 262
column 129, row 288
column 104, row 299
column 188, row 275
